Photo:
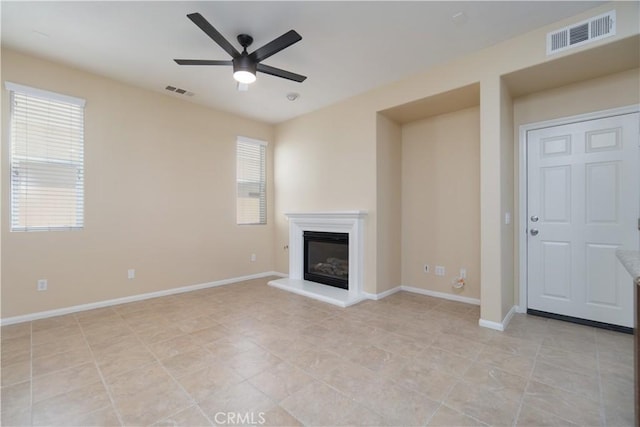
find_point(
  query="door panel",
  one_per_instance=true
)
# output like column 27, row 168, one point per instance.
column 602, row 269
column 557, row 146
column 583, row 186
column 603, row 192
column 556, row 272
column 555, row 194
column 604, row 140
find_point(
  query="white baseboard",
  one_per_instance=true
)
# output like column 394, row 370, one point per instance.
column 421, row 291
column 509, row 316
column 132, row 298
column 381, row 295
column 444, row 295
column 496, row 326
column 499, row 326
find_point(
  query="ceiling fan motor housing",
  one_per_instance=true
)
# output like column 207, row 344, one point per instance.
column 244, row 63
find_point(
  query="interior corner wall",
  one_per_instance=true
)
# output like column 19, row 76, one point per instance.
column 507, row 199
column 603, row 93
column 441, row 201
column 160, row 197
column 491, row 175
column 388, row 203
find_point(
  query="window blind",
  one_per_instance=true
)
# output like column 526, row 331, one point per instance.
column 47, row 160
column 251, row 175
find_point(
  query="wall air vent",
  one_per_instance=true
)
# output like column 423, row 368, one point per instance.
column 588, row 31
column 179, row 91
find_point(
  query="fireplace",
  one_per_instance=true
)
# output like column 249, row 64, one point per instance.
column 326, row 258
column 345, row 230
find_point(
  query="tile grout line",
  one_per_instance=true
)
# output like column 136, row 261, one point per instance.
column 295, row 367
column 526, row 386
column 191, row 398
column 301, row 369
column 194, row 401
column 31, row 373
column 603, row 412
column 446, row 396
column 542, row 381
column 373, row 372
column 451, row 387
column 282, row 360
column 102, row 379
column 323, row 382
column 565, row 390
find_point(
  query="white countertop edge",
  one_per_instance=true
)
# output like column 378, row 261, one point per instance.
column 631, row 261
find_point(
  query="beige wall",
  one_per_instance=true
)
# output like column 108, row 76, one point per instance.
column 389, row 189
column 159, row 198
column 612, row 91
column 441, row 201
column 324, row 162
column 350, row 127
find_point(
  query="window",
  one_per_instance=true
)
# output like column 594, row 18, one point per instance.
column 47, row 160
column 251, row 179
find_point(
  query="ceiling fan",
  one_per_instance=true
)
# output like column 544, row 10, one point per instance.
column 245, row 65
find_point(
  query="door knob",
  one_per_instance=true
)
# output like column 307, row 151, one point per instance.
column 534, row 218
column 534, row 231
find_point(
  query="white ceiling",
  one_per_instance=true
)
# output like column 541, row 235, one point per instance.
column 347, row 47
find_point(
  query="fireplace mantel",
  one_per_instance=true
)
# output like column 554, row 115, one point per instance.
column 351, row 222
column 318, row 216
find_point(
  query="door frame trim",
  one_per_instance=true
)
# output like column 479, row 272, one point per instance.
column 522, row 182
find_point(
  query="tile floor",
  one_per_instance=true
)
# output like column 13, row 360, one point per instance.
column 254, row 355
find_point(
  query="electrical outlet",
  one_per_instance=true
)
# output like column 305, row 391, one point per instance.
column 439, row 270
column 42, row 284
column 463, row 273
column 253, row 257
column 427, row 269
column 131, row 273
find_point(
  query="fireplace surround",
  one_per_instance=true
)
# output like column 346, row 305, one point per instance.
column 350, row 223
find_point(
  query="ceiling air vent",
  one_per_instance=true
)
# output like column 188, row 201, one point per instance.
column 588, row 31
column 178, row 90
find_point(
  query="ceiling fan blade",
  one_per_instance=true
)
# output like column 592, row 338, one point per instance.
column 275, row 46
column 280, row 73
column 205, row 26
column 202, row 62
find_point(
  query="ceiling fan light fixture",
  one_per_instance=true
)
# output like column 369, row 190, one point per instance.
column 244, row 77
column 244, row 70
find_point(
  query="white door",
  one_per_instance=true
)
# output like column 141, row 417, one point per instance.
column 583, row 203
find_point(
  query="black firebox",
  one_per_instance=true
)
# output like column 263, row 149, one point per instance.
column 326, row 258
